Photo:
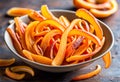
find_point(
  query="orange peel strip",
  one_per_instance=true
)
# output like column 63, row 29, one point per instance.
column 39, row 58
column 23, row 69
column 89, row 75
column 36, row 16
column 20, row 30
column 64, row 20
column 106, row 13
column 83, row 13
column 81, row 57
column 63, row 43
column 27, row 55
column 53, row 23
column 47, row 14
column 46, row 39
column 7, row 62
column 15, row 41
column 107, row 59
column 18, row 11
column 28, row 36
column 14, row 75
column 89, row 35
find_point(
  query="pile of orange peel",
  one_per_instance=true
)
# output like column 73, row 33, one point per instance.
column 99, row 8
column 55, row 41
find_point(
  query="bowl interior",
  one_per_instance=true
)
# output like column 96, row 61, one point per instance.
column 109, row 40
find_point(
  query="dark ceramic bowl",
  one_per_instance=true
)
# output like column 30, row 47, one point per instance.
column 65, row 68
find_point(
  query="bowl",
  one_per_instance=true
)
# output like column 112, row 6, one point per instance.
column 64, row 68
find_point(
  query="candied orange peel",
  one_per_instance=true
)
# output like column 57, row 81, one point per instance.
column 99, row 8
column 14, row 75
column 7, row 62
column 88, row 75
column 107, row 59
column 23, row 69
column 105, row 13
column 18, row 11
column 14, row 72
column 56, row 41
column 48, row 39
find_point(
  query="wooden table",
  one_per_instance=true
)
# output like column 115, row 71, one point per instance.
column 107, row 75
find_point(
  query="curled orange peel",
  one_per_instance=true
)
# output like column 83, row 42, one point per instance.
column 85, row 14
column 99, row 8
column 13, row 75
column 88, row 5
column 107, row 59
column 23, row 69
column 50, row 22
column 47, row 14
column 105, row 13
column 90, row 36
column 88, row 75
column 7, row 62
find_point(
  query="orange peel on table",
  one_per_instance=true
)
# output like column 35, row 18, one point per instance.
column 105, row 13
column 18, row 11
column 99, row 8
column 107, row 59
column 18, row 72
column 7, row 62
column 14, row 75
column 23, row 69
column 88, row 5
column 88, row 75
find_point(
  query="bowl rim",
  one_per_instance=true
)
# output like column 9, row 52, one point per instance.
column 61, row 66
